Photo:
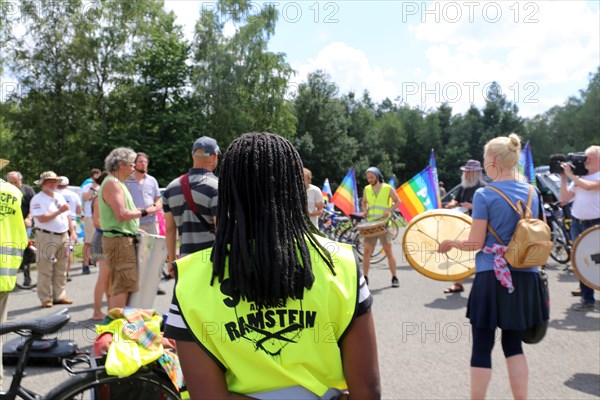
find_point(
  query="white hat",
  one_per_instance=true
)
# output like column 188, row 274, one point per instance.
column 63, row 181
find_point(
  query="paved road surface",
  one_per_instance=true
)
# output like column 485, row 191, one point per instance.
column 423, row 338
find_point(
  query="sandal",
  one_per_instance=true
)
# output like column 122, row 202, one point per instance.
column 457, row 288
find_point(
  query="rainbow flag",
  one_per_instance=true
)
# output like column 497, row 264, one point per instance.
column 346, row 196
column 418, row 194
column 526, row 164
column 435, row 179
column 327, row 195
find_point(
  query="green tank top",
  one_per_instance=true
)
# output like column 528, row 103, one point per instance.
column 278, row 350
column 108, row 220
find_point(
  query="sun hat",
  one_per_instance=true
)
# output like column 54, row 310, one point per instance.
column 472, row 165
column 63, row 181
column 46, row 176
column 3, row 163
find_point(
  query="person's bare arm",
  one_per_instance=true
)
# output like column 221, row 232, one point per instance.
column 319, row 211
column 565, row 195
column 579, row 182
column 96, row 214
column 359, row 359
column 158, row 202
column 395, row 200
column 115, row 198
column 203, row 377
column 171, row 240
column 475, row 242
column 50, row 215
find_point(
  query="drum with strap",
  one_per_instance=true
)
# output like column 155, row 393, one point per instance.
column 585, row 257
column 423, row 236
column 372, row 228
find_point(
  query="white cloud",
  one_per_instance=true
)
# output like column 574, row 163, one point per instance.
column 350, row 69
column 543, row 46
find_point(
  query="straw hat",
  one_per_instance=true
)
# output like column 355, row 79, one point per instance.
column 46, row 176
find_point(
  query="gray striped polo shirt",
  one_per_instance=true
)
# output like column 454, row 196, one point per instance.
column 193, row 235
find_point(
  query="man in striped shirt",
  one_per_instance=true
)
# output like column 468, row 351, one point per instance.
column 194, row 234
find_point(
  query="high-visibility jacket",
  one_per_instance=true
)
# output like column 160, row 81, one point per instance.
column 13, row 238
column 288, row 351
column 380, row 204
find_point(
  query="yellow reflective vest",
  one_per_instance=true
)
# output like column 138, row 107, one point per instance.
column 285, row 351
column 378, row 205
column 13, row 237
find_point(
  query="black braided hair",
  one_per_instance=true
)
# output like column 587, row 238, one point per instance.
column 262, row 222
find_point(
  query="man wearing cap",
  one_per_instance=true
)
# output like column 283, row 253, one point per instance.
column 14, row 241
column 196, row 229
column 378, row 202
column 471, row 180
column 74, row 202
column 144, row 191
column 50, row 212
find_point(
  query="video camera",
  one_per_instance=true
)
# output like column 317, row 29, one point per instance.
column 575, row 160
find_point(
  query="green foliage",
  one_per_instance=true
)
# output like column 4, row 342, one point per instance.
column 94, row 76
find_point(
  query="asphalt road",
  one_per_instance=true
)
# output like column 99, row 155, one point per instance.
column 423, row 338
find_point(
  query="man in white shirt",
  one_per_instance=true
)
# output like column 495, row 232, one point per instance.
column 50, row 212
column 74, row 202
column 315, row 199
column 585, row 192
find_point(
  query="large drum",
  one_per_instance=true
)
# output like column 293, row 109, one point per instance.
column 423, row 236
column 152, row 253
column 373, row 228
column 585, row 257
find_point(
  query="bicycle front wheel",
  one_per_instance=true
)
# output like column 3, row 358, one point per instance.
column 147, row 384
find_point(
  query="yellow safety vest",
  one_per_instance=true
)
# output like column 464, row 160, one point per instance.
column 378, row 205
column 286, row 351
column 13, row 237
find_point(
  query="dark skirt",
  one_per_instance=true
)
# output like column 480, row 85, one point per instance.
column 491, row 306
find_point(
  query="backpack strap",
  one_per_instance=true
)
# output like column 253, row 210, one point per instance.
column 523, row 214
column 186, row 189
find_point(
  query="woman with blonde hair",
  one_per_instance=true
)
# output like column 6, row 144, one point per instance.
column 501, row 297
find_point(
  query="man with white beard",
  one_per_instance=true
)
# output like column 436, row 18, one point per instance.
column 471, row 180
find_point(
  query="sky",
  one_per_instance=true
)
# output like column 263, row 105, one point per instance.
column 426, row 53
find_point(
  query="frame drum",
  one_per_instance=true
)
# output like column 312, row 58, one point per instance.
column 585, row 257
column 424, row 234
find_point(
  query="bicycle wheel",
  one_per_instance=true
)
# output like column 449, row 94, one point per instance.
column 147, row 384
column 377, row 255
column 560, row 251
column 28, row 280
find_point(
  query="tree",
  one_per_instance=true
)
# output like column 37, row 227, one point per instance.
column 322, row 132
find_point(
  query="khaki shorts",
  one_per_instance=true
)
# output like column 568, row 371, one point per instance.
column 121, row 256
column 88, row 229
column 385, row 238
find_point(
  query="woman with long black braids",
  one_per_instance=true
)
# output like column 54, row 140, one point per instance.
column 273, row 310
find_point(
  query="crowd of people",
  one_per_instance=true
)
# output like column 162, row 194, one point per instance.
column 251, row 260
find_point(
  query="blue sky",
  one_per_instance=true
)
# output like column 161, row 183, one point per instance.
column 423, row 53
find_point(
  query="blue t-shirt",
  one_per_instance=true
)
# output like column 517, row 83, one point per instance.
column 490, row 206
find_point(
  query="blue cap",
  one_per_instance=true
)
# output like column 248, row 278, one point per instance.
column 375, row 171
column 208, row 144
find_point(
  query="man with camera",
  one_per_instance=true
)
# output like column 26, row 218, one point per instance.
column 585, row 192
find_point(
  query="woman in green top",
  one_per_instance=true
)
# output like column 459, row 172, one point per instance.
column 119, row 219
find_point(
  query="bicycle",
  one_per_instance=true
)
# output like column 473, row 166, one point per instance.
column 93, row 382
column 332, row 223
column 560, row 223
column 350, row 235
